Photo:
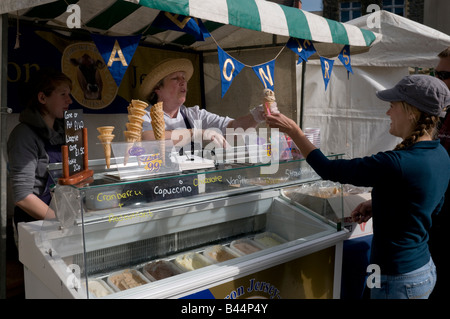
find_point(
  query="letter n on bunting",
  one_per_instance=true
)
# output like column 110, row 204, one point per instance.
column 117, row 53
column 229, row 69
column 265, row 73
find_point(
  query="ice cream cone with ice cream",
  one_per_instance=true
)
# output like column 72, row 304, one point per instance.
column 269, row 101
column 159, row 127
column 106, row 138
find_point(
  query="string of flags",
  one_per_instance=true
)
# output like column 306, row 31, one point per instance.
column 117, row 52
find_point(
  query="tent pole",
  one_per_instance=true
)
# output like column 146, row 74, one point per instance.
column 3, row 138
column 302, row 95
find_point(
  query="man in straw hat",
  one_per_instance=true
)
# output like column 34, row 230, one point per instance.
column 167, row 83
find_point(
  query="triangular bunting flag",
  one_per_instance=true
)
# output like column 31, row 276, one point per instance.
column 117, row 53
column 327, row 68
column 177, row 22
column 265, row 73
column 229, row 69
column 303, row 48
column 344, row 57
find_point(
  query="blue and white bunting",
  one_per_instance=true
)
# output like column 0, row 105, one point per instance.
column 303, row 48
column 116, row 52
column 327, row 68
column 344, row 57
column 229, row 69
column 265, row 73
column 178, row 22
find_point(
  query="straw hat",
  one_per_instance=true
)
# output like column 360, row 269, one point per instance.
column 163, row 69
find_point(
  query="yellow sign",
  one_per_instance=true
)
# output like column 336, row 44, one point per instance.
column 152, row 162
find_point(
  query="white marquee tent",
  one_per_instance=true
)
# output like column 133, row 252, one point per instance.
column 350, row 117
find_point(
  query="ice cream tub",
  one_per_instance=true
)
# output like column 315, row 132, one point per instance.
column 98, row 288
column 246, row 246
column 160, row 269
column 126, row 279
column 192, row 261
column 268, row 239
column 219, row 253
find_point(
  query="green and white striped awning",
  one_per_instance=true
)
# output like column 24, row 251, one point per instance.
column 229, row 21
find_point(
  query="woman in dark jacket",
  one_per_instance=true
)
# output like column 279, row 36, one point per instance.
column 408, row 183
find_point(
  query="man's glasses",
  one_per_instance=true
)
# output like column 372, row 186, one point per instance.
column 443, row 75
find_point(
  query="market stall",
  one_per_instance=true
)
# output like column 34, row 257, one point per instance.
column 206, row 234
column 68, row 248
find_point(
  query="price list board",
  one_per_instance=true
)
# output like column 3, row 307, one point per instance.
column 75, row 150
column 73, row 126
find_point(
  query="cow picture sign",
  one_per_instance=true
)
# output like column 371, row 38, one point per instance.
column 93, row 85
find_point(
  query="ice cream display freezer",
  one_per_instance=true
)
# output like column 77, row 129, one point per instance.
column 225, row 241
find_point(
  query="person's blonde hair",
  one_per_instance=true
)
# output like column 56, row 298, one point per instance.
column 424, row 124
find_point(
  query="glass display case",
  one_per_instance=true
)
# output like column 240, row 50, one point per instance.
column 211, row 232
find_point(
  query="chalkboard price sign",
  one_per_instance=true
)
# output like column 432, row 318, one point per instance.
column 75, row 150
column 73, row 125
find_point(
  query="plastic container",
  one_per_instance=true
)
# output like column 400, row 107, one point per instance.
column 98, row 288
column 192, row 261
column 219, row 253
column 130, row 278
column 246, row 246
column 160, row 269
column 268, row 239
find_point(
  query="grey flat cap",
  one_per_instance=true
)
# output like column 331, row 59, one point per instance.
column 425, row 92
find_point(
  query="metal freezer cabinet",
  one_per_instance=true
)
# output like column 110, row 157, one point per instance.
column 81, row 257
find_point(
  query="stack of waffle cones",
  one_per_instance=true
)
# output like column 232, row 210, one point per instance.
column 136, row 111
column 106, row 138
column 159, row 127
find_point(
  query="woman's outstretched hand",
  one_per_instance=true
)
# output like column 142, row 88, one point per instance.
column 363, row 212
column 282, row 122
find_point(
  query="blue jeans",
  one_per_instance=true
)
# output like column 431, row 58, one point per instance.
column 417, row 284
